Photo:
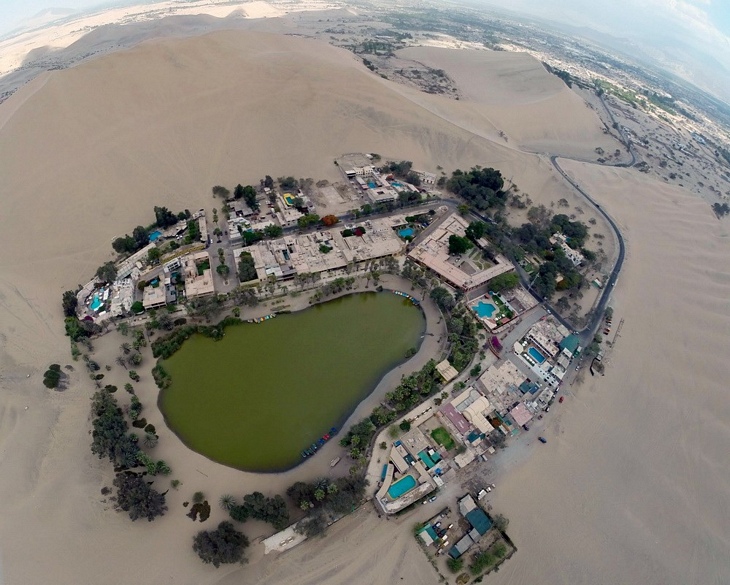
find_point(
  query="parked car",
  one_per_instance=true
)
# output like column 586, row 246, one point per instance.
column 561, row 399
column 542, row 439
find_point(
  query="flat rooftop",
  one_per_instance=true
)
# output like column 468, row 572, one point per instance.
column 302, row 254
column 462, row 271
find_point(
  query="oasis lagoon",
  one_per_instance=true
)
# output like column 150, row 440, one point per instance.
column 255, row 399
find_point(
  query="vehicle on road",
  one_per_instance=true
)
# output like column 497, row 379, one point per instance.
column 561, row 399
column 542, row 439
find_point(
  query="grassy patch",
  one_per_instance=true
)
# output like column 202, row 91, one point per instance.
column 443, row 438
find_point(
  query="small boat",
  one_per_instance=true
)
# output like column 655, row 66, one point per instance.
column 333, row 431
column 334, row 462
column 320, row 442
column 326, row 437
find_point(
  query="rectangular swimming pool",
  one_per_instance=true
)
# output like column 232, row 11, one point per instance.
column 406, row 233
column 536, row 355
column 402, row 486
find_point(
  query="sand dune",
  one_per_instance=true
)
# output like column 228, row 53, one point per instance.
column 85, row 154
column 535, row 109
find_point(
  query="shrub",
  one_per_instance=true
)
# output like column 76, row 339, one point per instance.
column 150, row 429
column 198, row 497
column 199, row 511
column 52, row 376
column 455, row 565
column 220, row 546
column 139, row 424
column 405, row 426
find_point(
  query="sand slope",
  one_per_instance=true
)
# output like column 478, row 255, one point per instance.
column 535, row 109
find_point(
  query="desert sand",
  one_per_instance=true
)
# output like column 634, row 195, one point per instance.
column 633, row 485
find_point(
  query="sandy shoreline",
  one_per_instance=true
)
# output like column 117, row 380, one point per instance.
column 632, row 486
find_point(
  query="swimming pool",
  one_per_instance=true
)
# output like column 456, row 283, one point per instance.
column 485, row 310
column 536, row 355
column 154, row 235
column 402, row 486
column 371, row 185
column 406, row 233
column 95, row 303
column 397, row 184
column 288, row 199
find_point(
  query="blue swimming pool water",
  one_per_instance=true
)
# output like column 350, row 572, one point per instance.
column 402, row 486
column 485, row 310
column 371, row 185
column 95, row 303
column 536, row 355
column 396, row 184
column 154, row 235
column 406, row 233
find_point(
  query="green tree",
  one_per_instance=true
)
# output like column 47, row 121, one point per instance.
column 107, row 272
column 135, row 496
column 455, row 565
column 273, row 231
column 459, row 245
column 288, row 182
column 246, row 267
column 137, row 307
column 154, row 255
column 476, row 230
column 69, row 301
column 443, row 299
column 249, row 196
column 504, row 282
column 308, row 220
column 224, row 545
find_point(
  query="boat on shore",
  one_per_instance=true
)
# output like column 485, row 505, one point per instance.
column 334, row 462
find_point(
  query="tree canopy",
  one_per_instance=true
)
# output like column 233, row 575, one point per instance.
column 246, row 267
column 482, row 188
column 138, row 498
column 221, row 546
column 107, row 272
column 69, row 302
column 459, row 245
column 504, row 282
column 130, row 244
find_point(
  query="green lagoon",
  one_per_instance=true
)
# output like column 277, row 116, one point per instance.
column 267, row 391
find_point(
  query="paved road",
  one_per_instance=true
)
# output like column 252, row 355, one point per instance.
column 586, row 334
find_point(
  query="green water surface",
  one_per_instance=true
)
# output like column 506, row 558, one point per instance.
column 265, row 392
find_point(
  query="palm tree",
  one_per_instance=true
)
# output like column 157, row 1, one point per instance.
column 150, row 440
column 125, row 347
column 226, row 502
column 121, row 362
